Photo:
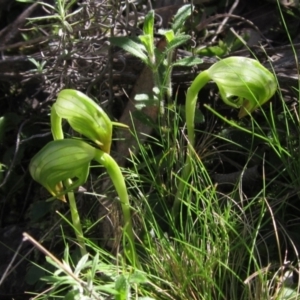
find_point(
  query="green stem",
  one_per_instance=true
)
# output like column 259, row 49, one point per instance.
column 190, row 104
column 190, row 107
column 76, row 220
column 117, row 178
column 57, row 132
column 168, row 76
column 180, row 191
column 56, row 125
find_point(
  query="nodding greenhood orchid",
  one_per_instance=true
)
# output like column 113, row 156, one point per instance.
column 64, row 164
column 59, row 161
column 243, row 83
column 84, row 116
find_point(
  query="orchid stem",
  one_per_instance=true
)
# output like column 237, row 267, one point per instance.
column 117, row 178
column 57, row 132
column 76, row 220
column 190, row 106
column 56, row 125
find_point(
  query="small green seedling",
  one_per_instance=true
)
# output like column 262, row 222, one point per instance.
column 160, row 62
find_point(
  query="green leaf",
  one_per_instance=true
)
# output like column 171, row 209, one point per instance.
column 81, row 264
column 188, row 61
column 131, row 46
column 177, row 41
column 169, row 34
column 122, row 286
column 39, row 210
column 148, row 27
column 138, row 278
column 287, row 293
column 147, row 41
column 182, row 14
column 212, row 51
column 71, row 295
column 95, row 264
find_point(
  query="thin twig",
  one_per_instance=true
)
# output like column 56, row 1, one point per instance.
column 6, row 272
column 15, row 155
column 220, row 28
column 68, row 271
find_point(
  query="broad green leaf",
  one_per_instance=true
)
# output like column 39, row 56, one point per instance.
column 129, row 45
column 287, row 293
column 182, row 14
column 188, row 61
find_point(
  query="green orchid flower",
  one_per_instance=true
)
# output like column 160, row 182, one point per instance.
column 84, row 116
column 59, row 161
column 66, row 162
column 243, row 83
